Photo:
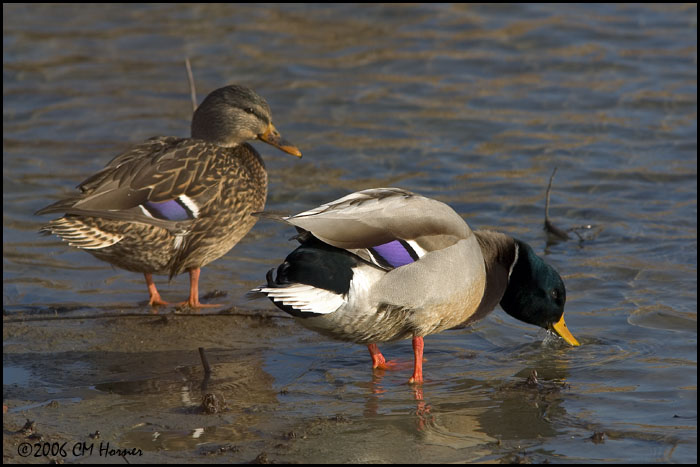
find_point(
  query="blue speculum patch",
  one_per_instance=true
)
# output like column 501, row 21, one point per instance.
column 172, row 210
column 395, row 253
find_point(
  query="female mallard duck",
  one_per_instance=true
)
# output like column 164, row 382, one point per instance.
column 170, row 205
column 386, row 264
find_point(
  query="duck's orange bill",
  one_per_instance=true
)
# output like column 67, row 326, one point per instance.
column 273, row 137
column 563, row 332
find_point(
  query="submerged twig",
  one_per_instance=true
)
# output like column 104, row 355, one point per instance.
column 548, row 226
column 205, row 362
column 205, row 379
column 190, row 79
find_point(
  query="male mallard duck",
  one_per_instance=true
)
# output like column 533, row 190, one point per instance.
column 170, row 205
column 386, row 264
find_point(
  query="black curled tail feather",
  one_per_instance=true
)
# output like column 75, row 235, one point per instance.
column 255, row 293
column 268, row 276
column 314, row 264
column 320, row 265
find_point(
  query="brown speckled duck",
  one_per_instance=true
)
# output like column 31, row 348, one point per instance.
column 386, row 264
column 169, row 204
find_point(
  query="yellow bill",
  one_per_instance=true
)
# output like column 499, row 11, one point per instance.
column 563, row 332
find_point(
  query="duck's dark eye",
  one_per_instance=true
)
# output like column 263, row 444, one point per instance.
column 555, row 294
column 249, row 110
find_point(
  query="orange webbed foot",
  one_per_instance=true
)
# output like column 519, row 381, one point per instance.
column 157, row 301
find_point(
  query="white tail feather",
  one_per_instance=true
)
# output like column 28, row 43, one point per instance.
column 304, row 297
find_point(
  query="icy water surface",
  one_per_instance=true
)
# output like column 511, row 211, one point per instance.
column 473, row 105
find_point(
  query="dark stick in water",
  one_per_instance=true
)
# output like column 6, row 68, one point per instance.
column 205, row 362
column 548, row 226
column 207, row 370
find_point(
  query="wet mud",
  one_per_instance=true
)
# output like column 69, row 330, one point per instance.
column 135, row 387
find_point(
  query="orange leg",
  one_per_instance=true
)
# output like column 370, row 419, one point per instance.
column 417, row 361
column 193, row 301
column 378, row 360
column 380, row 363
column 155, row 299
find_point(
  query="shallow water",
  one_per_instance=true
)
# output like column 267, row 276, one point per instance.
column 471, row 104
